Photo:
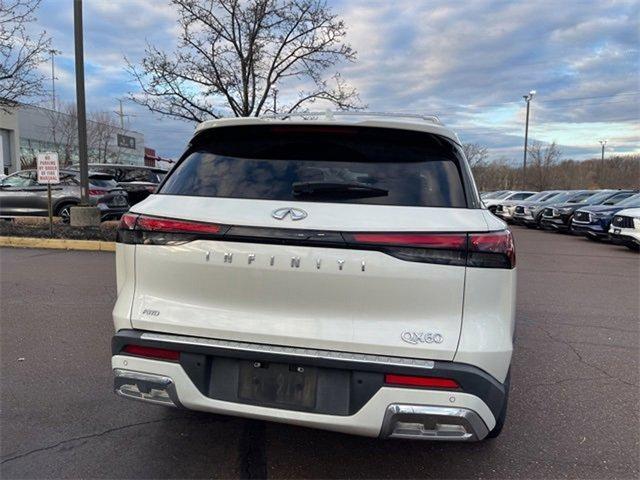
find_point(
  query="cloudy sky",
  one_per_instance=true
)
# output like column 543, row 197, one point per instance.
column 468, row 61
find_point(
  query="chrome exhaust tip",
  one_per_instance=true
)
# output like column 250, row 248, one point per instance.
column 146, row 387
column 421, row 422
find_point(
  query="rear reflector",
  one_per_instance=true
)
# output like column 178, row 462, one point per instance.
column 429, row 382
column 152, row 352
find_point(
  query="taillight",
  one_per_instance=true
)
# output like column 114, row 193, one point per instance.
column 96, row 193
column 442, row 248
column 491, row 250
column 431, row 240
column 128, row 221
column 426, row 382
column 152, row 352
column 156, row 224
column 142, row 229
column 485, row 250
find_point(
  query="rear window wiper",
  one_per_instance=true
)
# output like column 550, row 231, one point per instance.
column 351, row 189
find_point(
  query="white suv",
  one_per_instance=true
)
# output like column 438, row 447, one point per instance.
column 625, row 228
column 338, row 274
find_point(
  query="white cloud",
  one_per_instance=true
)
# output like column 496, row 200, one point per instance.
column 470, row 62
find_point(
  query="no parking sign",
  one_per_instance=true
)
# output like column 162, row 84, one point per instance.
column 48, row 169
column 48, row 174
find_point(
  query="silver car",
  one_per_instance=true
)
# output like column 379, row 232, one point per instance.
column 20, row 194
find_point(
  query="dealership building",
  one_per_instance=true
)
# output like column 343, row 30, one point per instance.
column 29, row 130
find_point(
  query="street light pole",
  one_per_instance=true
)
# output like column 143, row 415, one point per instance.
column 603, row 143
column 527, row 98
column 53, row 52
column 80, row 102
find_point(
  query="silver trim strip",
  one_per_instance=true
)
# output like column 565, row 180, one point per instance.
column 300, row 352
column 146, row 387
column 425, row 422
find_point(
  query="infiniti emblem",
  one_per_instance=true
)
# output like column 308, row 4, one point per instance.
column 294, row 213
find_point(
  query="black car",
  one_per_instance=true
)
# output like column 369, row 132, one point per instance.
column 558, row 216
column 594, row 221
column 138, row 181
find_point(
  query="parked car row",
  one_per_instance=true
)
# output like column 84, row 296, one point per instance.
column 604, row 215
column 112, row 188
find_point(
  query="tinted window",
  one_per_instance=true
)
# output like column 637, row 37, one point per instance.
column 307, row 163
column 520, row 196
column 138, row 175
column 600, row 197
column 631, row 202
column 581, row 197
column 538, row 196
column 68, row 179
column 103, row 182
column 617, row 198
column 22, row 179
column 549, row 196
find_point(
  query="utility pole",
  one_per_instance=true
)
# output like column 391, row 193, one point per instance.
column 527, row 99
column 603, row 143
column 121, row 114
column 53, row 52
column 80, row 102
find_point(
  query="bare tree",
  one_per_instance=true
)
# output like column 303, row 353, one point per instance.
column 476, row 154
column 101, row 132
column 541, row 162
column 20, row 52
column 619, row 171
column 63, row 131
column 233, row 57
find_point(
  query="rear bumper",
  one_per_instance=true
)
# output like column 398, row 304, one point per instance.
column 374, row 408
column 112, row 213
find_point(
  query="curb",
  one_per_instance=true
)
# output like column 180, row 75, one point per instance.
column 58, row 244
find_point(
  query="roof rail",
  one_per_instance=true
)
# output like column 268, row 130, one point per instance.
column 328, row 115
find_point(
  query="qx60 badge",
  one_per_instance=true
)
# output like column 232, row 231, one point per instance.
column 293, row 213
column 415, row 338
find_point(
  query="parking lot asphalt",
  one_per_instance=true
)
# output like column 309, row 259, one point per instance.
column 573, row 409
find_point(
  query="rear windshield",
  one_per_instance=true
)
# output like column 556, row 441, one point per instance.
column 104, row 182
column 322, row 164
column 139, row 175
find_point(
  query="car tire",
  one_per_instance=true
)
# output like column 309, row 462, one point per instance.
column 631, row 246
column 500, row 421
column 64, row 211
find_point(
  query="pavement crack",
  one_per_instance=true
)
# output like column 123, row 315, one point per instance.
column 253, row 461
column 581, row 359
column 528, row 388
column 581, row 325
column 86, row 437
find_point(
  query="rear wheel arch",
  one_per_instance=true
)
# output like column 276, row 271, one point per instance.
column 61, row 209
